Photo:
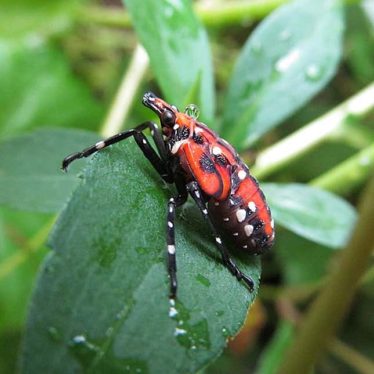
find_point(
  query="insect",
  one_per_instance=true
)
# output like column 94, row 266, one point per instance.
column 207, row 168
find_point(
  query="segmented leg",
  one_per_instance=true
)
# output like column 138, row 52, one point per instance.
column 195, row 192
column 173, row 203
column 158, row 161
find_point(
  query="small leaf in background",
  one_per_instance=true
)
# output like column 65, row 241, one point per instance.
column 30, row 168
column 19, row 261
column 287, row 60
column 101, row 302
column 178, row 49
column 272, row 356
column 303, row 262
column 314, row 214
column 38, row 88
column 30, row 17
column 360, row 44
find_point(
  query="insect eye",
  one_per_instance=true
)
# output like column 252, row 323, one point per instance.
column 168, row 118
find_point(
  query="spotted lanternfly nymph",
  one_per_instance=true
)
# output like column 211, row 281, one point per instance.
column 207, row 168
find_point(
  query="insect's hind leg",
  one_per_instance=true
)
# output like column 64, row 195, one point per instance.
column 194, row 190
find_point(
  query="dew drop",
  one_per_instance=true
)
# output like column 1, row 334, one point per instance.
column 256, row 47
column 192, row 110
column 284, row 35
column 79, row 339
column 285, row 62
column 172, row 312
column 54, row 334
column 313, row 72
column 179, row 332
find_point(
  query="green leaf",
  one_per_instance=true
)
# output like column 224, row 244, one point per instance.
column 101, row 302
column 19, row 261
column 317, row 215
column 272, row 356
column 306, row 266
column 30, row 168
column 37, row 88
column 178, row 48
column 287, row 60
column 30, row 17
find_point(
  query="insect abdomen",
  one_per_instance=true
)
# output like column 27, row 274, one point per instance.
column 245, row 217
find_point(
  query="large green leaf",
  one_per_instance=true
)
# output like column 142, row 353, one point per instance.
column 315, row 214
column 38, row 88
column 178, row 49
column 288, row 59
column 101, row 302
column 30, row 168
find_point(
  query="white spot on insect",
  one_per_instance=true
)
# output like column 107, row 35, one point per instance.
column 172, row 302
column 197, row 194
column 198, row 130
column 171, row 199
column 235, row 233
column 144, row 141
column 226, row 219
column 272, row 223
column 242, row 174
column 176, row 146
column 248, row 229
column 100, row 145
column 240, row 215
column 245, row 246
column 170, row 224
column 176, row 127
column 171, row 209
column 216, row 203
column 252, row 206
column 155, row 125
column 218, row 240
column 152, row 132
column 205, row 211
column 171, row 249
column 217, row 151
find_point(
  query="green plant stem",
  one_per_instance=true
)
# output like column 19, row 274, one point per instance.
column 126, row 92
column 215, row 15
column 351, row 357
column 349, row 174
column 328, row 310
column 300, row 142
column 32, row 246
column 218, row 14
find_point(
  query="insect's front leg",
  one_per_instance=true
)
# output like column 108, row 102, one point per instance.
column 158, row 161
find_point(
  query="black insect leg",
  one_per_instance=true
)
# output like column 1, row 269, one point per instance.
column 157, row 161
column 194, row 190
column 173, row 203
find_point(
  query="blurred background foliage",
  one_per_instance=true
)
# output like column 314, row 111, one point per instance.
column 61, row 64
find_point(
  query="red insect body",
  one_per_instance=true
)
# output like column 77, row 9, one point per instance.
column 205, row 166
column 236, row 204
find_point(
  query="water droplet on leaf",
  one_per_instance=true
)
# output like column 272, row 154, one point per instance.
column 284, row 35
column 313, row 72
column 192, row 110
column 54, row 334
